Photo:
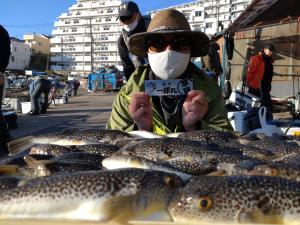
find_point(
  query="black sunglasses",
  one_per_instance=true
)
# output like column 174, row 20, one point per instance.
column 159, row 44
column 125, row 18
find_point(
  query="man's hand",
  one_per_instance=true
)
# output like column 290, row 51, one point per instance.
column 2, row 79
column 194, row 108
column 141, row 110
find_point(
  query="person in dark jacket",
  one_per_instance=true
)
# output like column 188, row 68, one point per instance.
column 211, row 62
column 4, row 60
column 75, row 87
column 132, row 22
column 40, row 88
column 260, row 75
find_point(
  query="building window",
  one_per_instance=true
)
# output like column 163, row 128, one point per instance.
column 198, row 13
column 76, row 21
column 12, row 58
column 78, row 13
column 209, row 25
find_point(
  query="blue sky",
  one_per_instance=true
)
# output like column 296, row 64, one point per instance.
column 27, row 16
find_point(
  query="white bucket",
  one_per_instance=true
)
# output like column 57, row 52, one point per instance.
column 238, row 121
column 26, row 107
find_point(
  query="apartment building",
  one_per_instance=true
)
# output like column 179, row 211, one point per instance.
column 39, row 43
column 85, row 38
column 211, row 16
column 20, row 54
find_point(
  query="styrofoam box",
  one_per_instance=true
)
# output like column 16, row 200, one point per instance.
column 237, row 120
column 26, row 107
column 59, row 101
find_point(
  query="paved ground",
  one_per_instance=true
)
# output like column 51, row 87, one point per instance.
column 83, row 111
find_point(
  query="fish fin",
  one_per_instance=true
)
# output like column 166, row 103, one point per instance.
column 19, row 145
column 144, row 134
column 174, row 135
column 39, row 167
column 9, row 170
column 217, row 173
column 121, row 209
column 244, row 141
column 186, row 159
column 258, row 216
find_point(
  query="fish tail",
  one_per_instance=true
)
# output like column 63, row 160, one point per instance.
column 19, row 145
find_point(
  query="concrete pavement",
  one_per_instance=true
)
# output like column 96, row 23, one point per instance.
column 87, row 110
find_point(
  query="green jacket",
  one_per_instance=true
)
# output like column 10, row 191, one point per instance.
column 215, row 118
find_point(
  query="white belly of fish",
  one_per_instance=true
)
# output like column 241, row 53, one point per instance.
column 92, row 210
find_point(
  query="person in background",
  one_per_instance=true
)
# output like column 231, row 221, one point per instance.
column 75, row 87
column 54, row 91
column 211, row 62
column 132, row 22
column 39, row 93
column 162, row 107
column 4, row 60
column 259, row 77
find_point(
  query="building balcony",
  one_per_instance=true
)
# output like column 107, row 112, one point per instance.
column 60, row 68
column 55, row 40
column 56, row 32
column 64, row 15
column 55, row 49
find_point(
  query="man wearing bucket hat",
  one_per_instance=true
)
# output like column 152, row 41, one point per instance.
column 170, row 94
column 132, row 22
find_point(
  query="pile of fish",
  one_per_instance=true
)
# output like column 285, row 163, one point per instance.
column 203, row 176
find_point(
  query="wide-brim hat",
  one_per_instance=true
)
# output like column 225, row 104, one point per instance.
column 169, row 21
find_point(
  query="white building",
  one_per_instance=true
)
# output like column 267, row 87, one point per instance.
column 20, row 55
column 86, row 37
column 204, row 15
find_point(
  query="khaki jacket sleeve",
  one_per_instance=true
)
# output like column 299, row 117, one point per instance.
column 120, row 118
column 216, row 118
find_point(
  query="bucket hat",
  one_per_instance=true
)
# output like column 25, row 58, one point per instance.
column 169, row 21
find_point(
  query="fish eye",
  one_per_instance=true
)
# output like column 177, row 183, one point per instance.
column 204, row 203
column 271, row 172
column 170, row 181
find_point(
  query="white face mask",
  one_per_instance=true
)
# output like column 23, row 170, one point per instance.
column 131, row 26
column 168, row 64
